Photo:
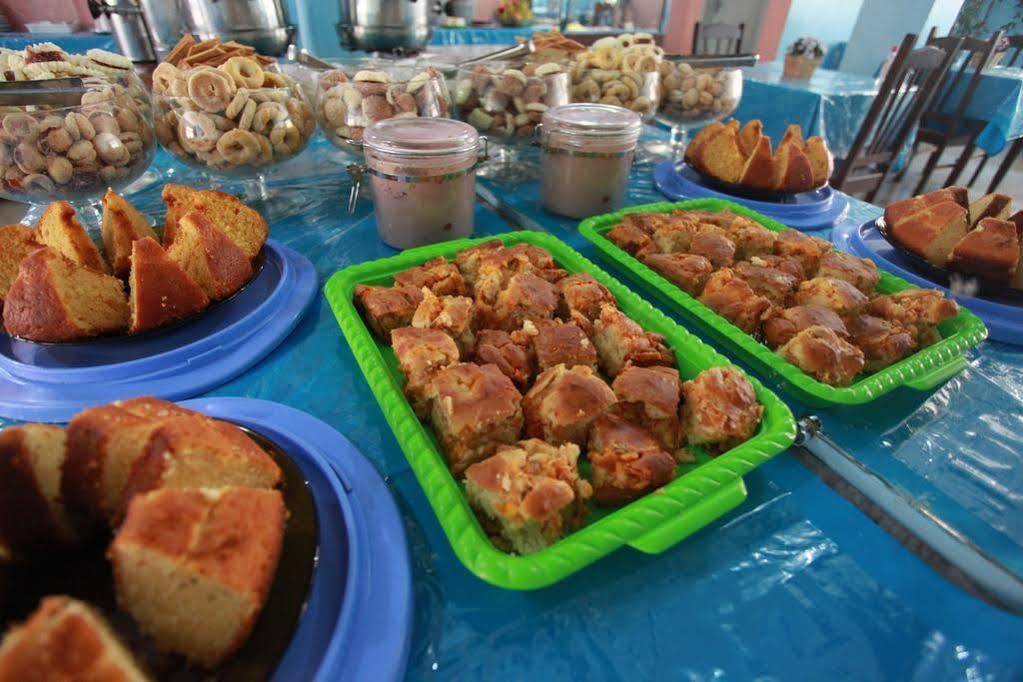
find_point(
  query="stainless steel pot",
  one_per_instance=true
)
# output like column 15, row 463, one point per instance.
column 386, row 24
column 262, row 24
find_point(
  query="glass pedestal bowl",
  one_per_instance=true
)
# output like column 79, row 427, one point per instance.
column 692, row 98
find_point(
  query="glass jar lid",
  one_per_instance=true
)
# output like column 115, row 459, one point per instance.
column 592, row 120
column 421, row 137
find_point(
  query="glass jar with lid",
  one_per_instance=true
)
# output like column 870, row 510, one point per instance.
column 587, row 156
column 423, row 175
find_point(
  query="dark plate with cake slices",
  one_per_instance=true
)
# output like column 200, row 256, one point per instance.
column 814, row 194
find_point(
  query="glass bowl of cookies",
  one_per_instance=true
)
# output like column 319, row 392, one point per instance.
column 230, row 112
column 621, row 71
column 70, row 127
column 358, row 93
column 693, row 97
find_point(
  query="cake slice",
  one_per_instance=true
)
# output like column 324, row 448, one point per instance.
column 16, row 242
column 759, row 168
column 720, row 157
column 160, row 290
column 65, row 639
column 700, row 139
column 122, row 226
column 933, row 232
column 992, row 251
column 54, row 299
column 32, row 515
column 992, row 205
column 793, row 135
column 210, row 258
column 1017, row 278
column 59, row 228
column 750, row 135
column 242, row 224
column 821, row 161
column 194, row 567
column 179, row 202
column 901, row 210
column 792, row 170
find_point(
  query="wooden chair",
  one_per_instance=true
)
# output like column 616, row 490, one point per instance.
column 906, row 92
column 944, row 124
column 1012, row 58
column 1010, row 157
column 718, row 38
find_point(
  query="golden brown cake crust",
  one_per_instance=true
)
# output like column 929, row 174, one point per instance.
column 160, row 290
column 991, row 250
column 216, row 263
column 26, row 523
column 719, row 408
column 822, row 353
column 179, row 202
column 686, row 271
column 782, row 325
column 59, row 228
column 16, row 242
column 437, row 275
column 387, row 308
column 562, row 404
column 626, row 461
column 122, row 225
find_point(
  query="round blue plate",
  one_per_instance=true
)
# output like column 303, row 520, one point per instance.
column 1004, row 322
column 357, row 622
column 51, row 382
column 815, row 210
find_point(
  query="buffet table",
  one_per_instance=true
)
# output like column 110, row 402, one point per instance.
column 795, row 583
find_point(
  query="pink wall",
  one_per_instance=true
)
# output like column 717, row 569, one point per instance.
column 775, row 14
column 18, row 12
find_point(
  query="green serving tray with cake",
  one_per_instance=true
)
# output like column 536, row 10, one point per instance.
column 923, row 370
column 704, row 488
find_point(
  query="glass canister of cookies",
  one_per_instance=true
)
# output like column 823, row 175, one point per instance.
column 74, row 125
column 619, row 71
column 227, row 109
column 506, row 100
column 357, row 94
column 693, row 97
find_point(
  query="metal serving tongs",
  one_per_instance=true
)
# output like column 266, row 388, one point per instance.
column 59, row 92
column 710, row 61
column 510, row 52
column 306, row 58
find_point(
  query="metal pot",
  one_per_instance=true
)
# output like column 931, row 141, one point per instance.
column 386, row 24
column 262, row 24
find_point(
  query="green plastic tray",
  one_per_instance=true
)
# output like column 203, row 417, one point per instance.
column 701, row 493
column 923, row 371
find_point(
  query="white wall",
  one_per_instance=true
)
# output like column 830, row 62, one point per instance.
column 883, row 23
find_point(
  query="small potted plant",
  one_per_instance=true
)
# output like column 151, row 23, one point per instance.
column 514, row 13
column 803, row 58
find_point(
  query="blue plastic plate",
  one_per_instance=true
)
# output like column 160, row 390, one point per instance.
column 1004, row 322
column 358, row 617
column 51, row 382
column 814, row 210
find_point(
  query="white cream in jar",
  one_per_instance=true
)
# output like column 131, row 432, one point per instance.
column 587, row 155
column 423, row 175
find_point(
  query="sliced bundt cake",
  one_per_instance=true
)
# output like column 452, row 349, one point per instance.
column 16, row 242
column 122, row 225
column 991, row 250
column 821, row 161
column 59, row 228
column 210, row 257
column 759, row 169
column 194, row 566
column 32, row 514
column 243, row 225
column 65, row 640
column 54, row 299
column 195, row 451
column 160, row 290
column 792, row 170
column 178, row 199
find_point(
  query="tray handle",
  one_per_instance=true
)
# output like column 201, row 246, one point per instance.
column 939, row 375
column 671, row 532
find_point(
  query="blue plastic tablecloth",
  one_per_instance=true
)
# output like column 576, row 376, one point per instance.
column 491, row 35
column 794, row 584
column 74, row 42
column 998, row 100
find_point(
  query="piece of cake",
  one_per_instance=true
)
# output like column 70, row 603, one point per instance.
column 686, row 271
column 421, row 353
column 240, row 223
column 719, row 409
column 453, row 315
column 66, row 640
column 178, row 199
column 823, row 354
column 437, row 275
column 792, row 170
column 55, row 299
column 562, row 404
column 626, row 461
column 649, row 397
column 620, row 342
column 758, row 170
column 540, row 259
column 387, row 308
column 822, row 163
column 933, row 232
column 733, row 298
column 839, row 295
column 103, row 443
column 531, row 492
column 750, row 238
column 991, row 250
column 781, row 325
column 16, row 242
column 860, row 272
column 581, row 299
column 196, row 451
column 918, row 310
column 560, row 343
column 700, row 139
column 59, row 229
column 717, row 248
column 161, row 291
column 630, row 238
column 720, row 156
column 122, row 226
column 497, row 347
column 525, row 297
column 33, row 517
column 750, row 135
column 994, row 205
column 676, row 236
column 777, row 286
column 213, row 261
column 1017, row 278
column 883, row 343
column 900, row 210
column 475, row 409
column 468, row 261
column 193, row 567
column 793, row 135
column 808, row 250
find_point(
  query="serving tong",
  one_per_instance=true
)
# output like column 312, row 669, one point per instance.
column 697, row 61
column 59, row 92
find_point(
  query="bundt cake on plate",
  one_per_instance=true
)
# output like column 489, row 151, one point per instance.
column 161, row 291
column 59, row 228
column 122, row 226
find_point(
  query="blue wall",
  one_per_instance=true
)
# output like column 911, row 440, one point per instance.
column 827, row 20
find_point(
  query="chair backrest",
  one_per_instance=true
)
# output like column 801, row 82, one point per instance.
column 951, row 100
column 906, row 92
column 1014, row 53
column 718, row 38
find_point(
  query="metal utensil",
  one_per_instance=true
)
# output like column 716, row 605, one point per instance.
column 708, row 61
column 60, row 92
column 305, row 58
column 520, row 50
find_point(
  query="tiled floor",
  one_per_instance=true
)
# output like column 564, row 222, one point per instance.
column 1012, row 183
